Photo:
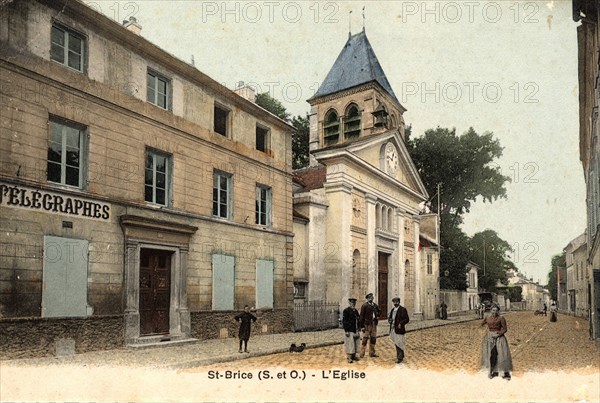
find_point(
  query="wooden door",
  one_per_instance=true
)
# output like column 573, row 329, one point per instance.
column 155, row 291
column 382, row 283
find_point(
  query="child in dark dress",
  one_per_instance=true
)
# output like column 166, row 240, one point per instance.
column 245, row 318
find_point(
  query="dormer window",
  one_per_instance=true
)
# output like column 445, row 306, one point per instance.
column 331, row 127
column 352, row 123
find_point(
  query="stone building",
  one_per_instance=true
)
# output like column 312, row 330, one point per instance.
column 141, row 200
column 588, row 40
column 578, row 286
column 357, row 206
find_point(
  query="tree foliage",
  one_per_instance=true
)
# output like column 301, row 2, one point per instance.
column 557, row 262
column 300, row 142
column 514, row 293
column 464, row 168
column 490, row 252
column 272, row 105
column 462, row 165
column 300, row 157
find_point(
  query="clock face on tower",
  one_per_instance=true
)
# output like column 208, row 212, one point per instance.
column 391, row 159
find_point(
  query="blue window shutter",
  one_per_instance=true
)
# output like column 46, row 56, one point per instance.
column 65, row 277
column 264, row 283
column 223, row 282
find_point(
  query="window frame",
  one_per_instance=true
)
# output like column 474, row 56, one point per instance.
column 217, row 203
column 258, row 213
column 429, row 263
column 82, row 156
column 331, row 128
column 227, row 111
column 352, row 124
column 266, row 139
column 168, row 176
column 168, row 88
column 69, row 32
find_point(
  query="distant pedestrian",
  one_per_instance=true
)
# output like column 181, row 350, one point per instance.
column 444, row 309
column 351, row 324
column 545, row 309
column 369, row 317
column 398, row 318
column 553, row 312
column 245, row 318
column 495, row 354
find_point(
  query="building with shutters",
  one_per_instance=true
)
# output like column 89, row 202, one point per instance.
column 141, row 200
column 357, row 207
column 588, row 40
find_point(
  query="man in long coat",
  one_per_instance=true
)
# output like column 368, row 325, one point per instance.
column 369, row 317
column 398, row 318
column 350, row 322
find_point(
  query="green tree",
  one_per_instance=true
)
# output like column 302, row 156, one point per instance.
column 491, row 252
column 557, row 262
column 454, row 256
column 515, row 293
column 464, row 168
column 462, row 165
column 300, row 157
column 273, row 105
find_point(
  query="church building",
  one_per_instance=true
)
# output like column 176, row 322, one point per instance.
column 358, row 221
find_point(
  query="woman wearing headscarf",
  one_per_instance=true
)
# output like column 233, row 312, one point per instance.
column 495, row 350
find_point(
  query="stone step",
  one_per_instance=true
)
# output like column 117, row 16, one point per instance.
column 159, row 341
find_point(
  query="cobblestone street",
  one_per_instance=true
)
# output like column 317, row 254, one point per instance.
column 553, row 362
column 536, row 345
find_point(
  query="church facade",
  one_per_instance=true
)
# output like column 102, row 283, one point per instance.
column 358, row 219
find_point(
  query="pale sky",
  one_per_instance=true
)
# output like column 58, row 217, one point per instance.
column 508, row 67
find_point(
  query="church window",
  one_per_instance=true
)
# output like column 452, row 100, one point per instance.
column 331, row 128
column 352, row 123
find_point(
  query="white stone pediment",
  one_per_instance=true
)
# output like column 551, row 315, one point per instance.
column 385, row 153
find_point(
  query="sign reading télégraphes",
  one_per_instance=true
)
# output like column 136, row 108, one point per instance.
column 50, row 202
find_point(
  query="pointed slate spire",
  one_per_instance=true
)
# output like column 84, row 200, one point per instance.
column 355, row 65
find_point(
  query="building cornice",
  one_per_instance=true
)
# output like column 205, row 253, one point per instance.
column 114, row 31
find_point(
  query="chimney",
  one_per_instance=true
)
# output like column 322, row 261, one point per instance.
column 245, row 91
column 132, row 25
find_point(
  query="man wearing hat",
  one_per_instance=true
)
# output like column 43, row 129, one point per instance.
column 398, row 318
column 369, row 314
column 350, row 321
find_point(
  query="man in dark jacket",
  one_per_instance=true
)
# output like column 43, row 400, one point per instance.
column 369, row 314
column 398, row 318
column 350, row 321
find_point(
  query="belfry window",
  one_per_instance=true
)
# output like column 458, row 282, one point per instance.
column 331, row 133
column 352, row 123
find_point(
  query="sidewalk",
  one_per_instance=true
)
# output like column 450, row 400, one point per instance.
column 206, row 352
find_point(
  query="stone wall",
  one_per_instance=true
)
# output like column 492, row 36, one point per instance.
column 213, row 325
column 37, row 337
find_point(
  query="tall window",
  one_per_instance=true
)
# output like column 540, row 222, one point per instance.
column 262, row 139
column 331, row 128
column 67, row 47
column 263, row 205
column 66, row 153
column 352, row 123
column 158, row 90
column 158, row 177
column 221, row 194
column 430, row 264
column 221, row 120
